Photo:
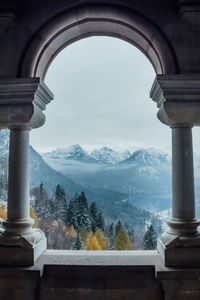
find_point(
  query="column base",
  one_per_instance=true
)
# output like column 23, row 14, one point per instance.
column 179, row 251
column 22, row 250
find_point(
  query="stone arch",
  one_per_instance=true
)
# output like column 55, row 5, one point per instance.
column 83, row 22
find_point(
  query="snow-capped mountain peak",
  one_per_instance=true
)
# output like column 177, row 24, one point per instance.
column 108, row 155
column 74, row 152
column 150, row 157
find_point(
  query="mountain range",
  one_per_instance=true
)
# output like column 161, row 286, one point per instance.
column 113, row 203
column 143, row 176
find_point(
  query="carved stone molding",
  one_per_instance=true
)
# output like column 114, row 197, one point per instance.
column 178, row 99
column 22, row 101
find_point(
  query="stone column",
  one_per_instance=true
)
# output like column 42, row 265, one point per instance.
column 183, row 200
column 18, row 216
column 178, row 100
column 22, row 102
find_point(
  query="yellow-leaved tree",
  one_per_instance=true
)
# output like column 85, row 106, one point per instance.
column 103, row 241
column 92, row 244
column 88, row 239
column 83, row 234
column 34, row 217
column 70, row 236
column 55, row 224
column 71, row 232
column 122, row 241
column 3, row 212
column 64, row 228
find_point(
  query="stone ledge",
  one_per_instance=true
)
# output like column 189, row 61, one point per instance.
column 83, row 257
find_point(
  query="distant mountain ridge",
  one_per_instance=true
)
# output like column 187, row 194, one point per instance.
column 113, row 204
column 149, row 157
column 76, row 152
column 107, row 155
column 144, row 176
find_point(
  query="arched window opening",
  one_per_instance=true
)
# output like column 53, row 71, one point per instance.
column 101, row 136
column 101, row 162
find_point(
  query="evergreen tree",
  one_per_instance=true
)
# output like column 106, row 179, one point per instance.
column 78, row 243
column 41, row 202
column 131, row 235
column 93, row 216
column 100, row 222
column 82, row 213
column 122, row 241
column 70, row 217
column 111, row 236
column 111, row 229
column 103, row 241
column 118, row 226
column 78, row 213
column 150, row 239
column 61, row 204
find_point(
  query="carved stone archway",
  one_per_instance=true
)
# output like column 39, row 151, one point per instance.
column 24, row 98
column 83, row 22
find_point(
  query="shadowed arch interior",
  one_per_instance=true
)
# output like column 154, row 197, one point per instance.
column 83, row 22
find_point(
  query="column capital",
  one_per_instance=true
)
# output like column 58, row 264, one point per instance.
column 22, row 102
column 178, row 99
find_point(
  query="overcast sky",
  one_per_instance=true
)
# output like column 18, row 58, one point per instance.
column 101, row 87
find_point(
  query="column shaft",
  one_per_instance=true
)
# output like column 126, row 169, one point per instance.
column 18, row 213
column 183, row 200
column 18, row 178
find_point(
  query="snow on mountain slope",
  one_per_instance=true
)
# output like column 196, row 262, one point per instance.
column 148, row 157
column 107, row 155
column 74, row 152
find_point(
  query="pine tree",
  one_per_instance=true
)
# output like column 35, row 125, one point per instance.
column 111, row 229
column 41, row 202
column 82, row 213
column 122, row 241
column 78, row 213
column 70, row 216
column 93, row 216
column 118, row 226
column 78, row 243
column 103, row 241
column 131, row 235
column 111, row 236
column 150, row 239
column 100, row 222
column 61, row 205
